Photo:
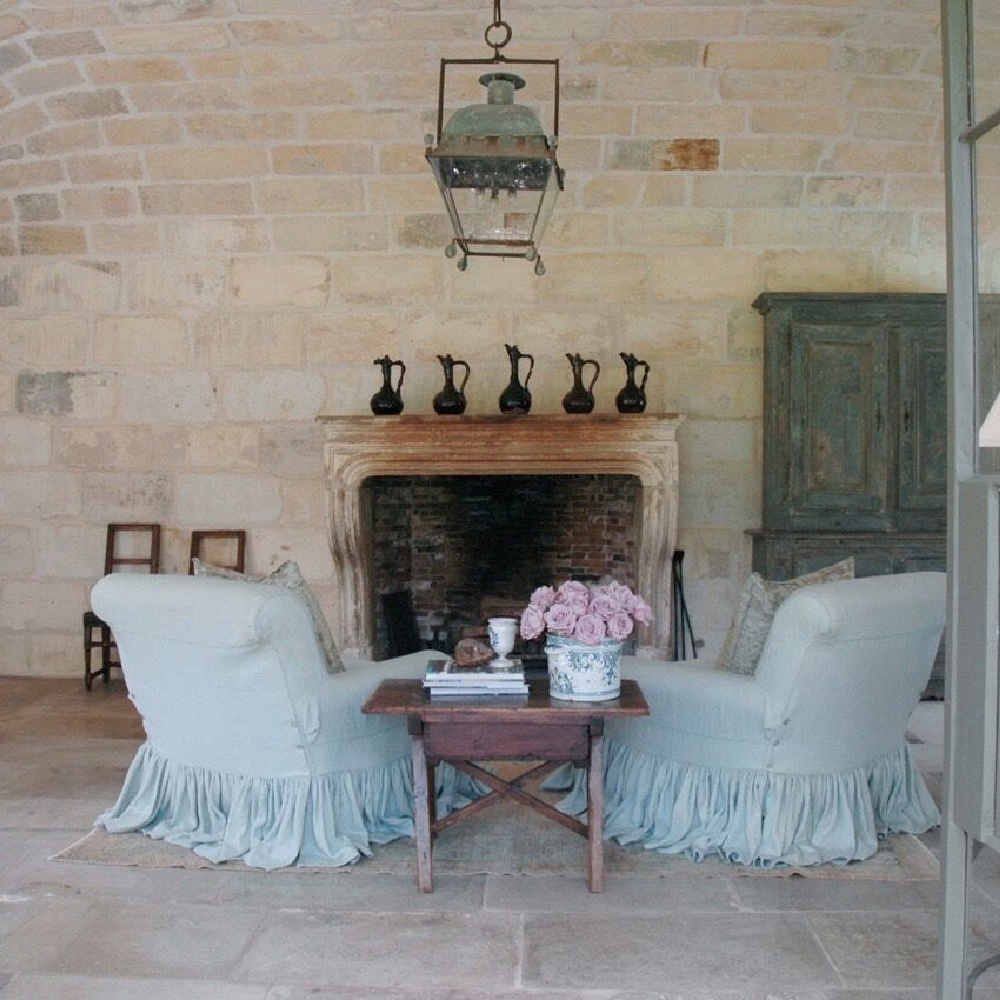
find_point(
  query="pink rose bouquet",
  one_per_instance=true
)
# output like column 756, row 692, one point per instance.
column 587, row 614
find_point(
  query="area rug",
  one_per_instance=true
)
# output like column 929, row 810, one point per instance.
column 508, row 840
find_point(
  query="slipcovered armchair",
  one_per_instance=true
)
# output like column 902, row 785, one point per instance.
column 802, row 763
column 253, row 749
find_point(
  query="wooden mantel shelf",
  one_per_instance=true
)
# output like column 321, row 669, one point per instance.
column 360, row 447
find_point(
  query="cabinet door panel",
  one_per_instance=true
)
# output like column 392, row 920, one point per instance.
column 839, row 405
column 923, row 428
column 867, row 562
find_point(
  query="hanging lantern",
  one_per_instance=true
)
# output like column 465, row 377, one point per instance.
column 494, row 164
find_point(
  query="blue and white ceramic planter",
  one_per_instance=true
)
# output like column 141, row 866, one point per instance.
column 579, row 672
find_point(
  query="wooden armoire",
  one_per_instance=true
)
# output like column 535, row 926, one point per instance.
column 855, row 435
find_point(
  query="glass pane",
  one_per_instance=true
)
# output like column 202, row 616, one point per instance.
column 985, row 57
column 503, row 216
column 987, row 177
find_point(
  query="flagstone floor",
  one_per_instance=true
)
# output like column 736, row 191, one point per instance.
column 71, row 932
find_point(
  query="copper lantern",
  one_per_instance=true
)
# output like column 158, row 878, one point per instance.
column 494, row 163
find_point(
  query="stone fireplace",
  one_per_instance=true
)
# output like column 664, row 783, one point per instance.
column 361, row 449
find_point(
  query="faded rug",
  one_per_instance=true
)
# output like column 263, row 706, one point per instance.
column 509, row 840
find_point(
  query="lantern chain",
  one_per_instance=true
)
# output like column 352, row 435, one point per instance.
column 502, row 32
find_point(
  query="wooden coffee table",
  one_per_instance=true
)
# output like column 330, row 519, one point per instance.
column 528, row 727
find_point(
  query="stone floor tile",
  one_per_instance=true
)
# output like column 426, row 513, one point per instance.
column 560, row 893
column 16, row 910
column 53, row 879
column 55, row 726
column 38, row 813
column 927, row 994
column 890, row 950
column 386, row 950
column 109, row 988
column 285, row 992
column 798, row 894
column 89, row 752
column 111, row 938
column 986, row 874
column 351, row 891
column 66, row 781
column 21, row 846
column 689, row 952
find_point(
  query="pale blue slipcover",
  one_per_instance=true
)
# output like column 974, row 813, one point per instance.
column 803, row 763
column 253, row 750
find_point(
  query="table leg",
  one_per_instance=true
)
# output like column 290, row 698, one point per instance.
column 431, row 796
column 422, row 806
column 595, row 808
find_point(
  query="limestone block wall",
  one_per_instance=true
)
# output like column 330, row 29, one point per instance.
column 215, row 213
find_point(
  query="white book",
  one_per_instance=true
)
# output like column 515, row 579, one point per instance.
column 469, row 691
column 447, row 672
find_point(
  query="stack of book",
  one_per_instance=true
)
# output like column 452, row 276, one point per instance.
column 446, row 679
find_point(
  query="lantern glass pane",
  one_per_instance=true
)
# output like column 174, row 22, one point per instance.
column 549, row 198
column 507, row 217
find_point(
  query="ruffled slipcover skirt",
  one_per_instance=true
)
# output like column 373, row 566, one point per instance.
column 329, row 819
column 754, row 817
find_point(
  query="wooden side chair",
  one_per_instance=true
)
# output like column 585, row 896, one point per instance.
column 237, row 535
column 96, row 632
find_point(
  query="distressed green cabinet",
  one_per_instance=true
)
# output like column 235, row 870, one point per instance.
column 923, row 428
column 855, row 434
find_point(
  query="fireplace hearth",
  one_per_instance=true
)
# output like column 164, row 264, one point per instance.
column 633, row 457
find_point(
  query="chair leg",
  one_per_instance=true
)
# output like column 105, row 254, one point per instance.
column 106, row 664
column 88, row 646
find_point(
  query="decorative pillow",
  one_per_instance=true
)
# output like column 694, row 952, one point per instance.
column 755, row 610
column 289, row 576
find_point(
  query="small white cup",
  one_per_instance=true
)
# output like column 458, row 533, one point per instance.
column 502, row 633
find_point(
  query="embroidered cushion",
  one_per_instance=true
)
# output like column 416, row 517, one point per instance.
column 755, row 610
column 288, row 575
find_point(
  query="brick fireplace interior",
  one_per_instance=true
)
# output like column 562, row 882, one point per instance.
column 468, row 547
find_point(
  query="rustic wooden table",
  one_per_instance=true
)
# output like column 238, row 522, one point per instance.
column 495, row 727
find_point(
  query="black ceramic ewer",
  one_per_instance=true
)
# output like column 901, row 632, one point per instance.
column 580, row 399
column 516, row 398
column 388, row 401
column 451, row 400
column 632, row 397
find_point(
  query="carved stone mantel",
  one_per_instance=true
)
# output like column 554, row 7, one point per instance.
column 358, row 448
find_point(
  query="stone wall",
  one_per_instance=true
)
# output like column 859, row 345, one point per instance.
column 215, row 213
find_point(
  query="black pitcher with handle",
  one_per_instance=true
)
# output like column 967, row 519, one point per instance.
column 632, row 397
column 516, row 398
column 451, row 400
column 388, row 401
column 580, row 399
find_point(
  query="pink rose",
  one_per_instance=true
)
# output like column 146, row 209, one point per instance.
column 605, row 606
column 622, row 594
column 543, row 597
column 619, row 626
column 642, row 612
column 572, row 587
column 560, row 618
column 532, row 622
column 576, row 595
column 589, row 629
